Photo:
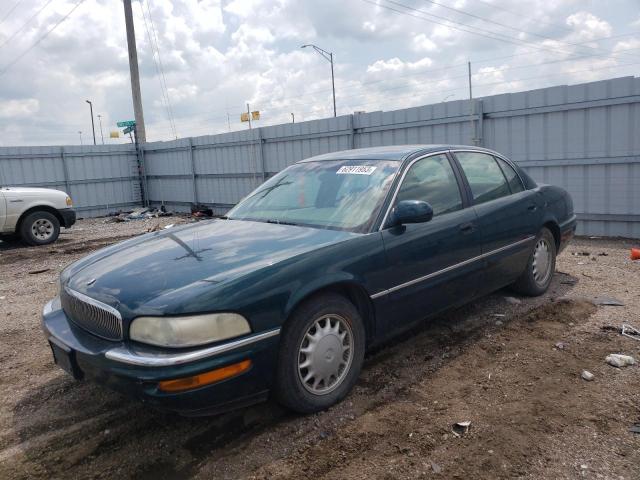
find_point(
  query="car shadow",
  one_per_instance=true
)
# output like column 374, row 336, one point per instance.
column 75, row 429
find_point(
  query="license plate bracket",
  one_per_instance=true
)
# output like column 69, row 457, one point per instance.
column 65, row 358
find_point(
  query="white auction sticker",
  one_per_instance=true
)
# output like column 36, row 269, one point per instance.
column 356, row 170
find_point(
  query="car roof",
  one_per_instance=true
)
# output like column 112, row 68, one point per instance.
column 393, row 152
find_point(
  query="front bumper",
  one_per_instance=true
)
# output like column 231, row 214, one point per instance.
column 68, row 217
column 136, row 370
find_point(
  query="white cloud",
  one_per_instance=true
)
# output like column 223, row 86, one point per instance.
column 19, row 108
column 588, row 26
column 422, row 43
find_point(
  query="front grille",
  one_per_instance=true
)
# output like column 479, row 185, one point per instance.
column 91, row 315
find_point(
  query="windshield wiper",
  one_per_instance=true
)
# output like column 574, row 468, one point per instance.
column 278, row 222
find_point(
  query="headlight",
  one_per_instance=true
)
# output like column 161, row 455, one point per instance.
column 69, row 202
column 188, row 331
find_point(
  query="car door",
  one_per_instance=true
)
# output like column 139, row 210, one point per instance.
column 429, row 265
column 508, row 215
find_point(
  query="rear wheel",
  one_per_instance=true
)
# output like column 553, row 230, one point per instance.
column 321, row 354
column 536, row 278
column 40, row 228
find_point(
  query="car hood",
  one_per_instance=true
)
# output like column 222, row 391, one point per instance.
column 129, row 275
column 30, row 191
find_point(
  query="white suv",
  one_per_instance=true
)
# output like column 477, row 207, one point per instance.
column 36, row 214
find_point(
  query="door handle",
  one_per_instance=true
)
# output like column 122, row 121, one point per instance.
column 532, row 208
column 467, row 228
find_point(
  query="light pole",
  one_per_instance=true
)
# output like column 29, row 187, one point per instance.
column 328, row 56
column 293, row 118
column 93, row 128
column 80, row 133
column 100, row 122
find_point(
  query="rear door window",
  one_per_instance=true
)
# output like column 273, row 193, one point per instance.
column 485, row 177
column 512, row 177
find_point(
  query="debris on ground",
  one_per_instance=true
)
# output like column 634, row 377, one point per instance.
column 635, row 428
column 513, row 300
column 635, row 254
column 171, row 225
column 42, row 270
column 608, row 301
column 201, row 211
column 561, row 345
column 587, row 375
column 137, row 214
column 618, row 360
column 581, row 254
column 629, row 331
column 460, row 428
column 603, row 254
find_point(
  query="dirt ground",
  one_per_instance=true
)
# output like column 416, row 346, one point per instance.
column 510, row 367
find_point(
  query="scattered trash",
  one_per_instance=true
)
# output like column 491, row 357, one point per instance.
column 513, row 300
column 137, row 214
column 35, row 272
column 561, row 345
column 587, row 375
column 610, row 328
column 603, row 254
column 436, row 468
column 201, row 211
column 635, row 428
column 635, row 254
column 607, row 301
column 460, row 428
column 569, row 281
column 498, row 323
column 498, row 315
column 618, row 360
column 581, row 254
column 629, row 331
column 169, row 226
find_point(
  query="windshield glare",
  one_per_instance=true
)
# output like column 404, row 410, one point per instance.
column 340, row 194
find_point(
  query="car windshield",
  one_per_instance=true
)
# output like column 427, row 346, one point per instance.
column 341, row 195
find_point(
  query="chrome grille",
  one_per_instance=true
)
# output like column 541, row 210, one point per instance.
column 91, row 315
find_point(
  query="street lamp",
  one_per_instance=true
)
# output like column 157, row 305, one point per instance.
column 329, row 57
column 100, row 122
column 92, row 125
column 80, row 133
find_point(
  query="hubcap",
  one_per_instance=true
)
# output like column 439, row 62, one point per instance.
column 325, row 354
column 542, row 262
column 42, row 229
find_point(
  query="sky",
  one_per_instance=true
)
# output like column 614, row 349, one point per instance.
column 202, row 61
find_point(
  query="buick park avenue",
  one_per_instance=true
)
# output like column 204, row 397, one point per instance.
column 284, row 295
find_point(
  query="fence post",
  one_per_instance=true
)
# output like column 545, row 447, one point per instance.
column 353, row 132
column 193, row 171
column 65, row 170
column 479, row 140
column 263, row 165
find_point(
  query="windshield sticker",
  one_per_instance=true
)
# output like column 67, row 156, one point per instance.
column 355, row 170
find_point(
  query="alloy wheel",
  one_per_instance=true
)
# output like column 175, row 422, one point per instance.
column 42, row 229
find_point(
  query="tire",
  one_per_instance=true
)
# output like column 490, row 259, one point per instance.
column 39, row 228
column 325, row 318
column 535, row 279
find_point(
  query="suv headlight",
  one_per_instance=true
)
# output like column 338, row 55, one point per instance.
column 188, row 331
column 69, row 202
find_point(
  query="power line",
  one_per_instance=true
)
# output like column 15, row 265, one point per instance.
column 164, row 80
column 40, row 39
column 491, row 35
column 155, row 63
column 509, row 27
column 519, row 15
column 13, row 35
column 10, row 11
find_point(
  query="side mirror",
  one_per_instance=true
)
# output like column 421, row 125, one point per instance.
column 411, row 211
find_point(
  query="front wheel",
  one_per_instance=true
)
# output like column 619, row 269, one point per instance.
column 321, row 354
column 536, row 278
column 40, row 228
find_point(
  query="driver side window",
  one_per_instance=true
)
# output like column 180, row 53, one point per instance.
column 432, row 180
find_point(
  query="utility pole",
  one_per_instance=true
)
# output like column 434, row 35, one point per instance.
column 93, row 127
column 228, row 121
column 293, row 118
column 80, row 133
column 100, row 122
column 135, row 75
column 471, row 106
column 249, row 116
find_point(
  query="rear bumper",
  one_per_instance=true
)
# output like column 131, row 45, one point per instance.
column 136, row 370
column 567, row 232
column 68, row 217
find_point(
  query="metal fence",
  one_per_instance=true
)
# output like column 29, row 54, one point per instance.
column 585, row 138
column 98, row 178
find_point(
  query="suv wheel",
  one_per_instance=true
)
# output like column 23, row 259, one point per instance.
column 321, row 354
column 40, row 228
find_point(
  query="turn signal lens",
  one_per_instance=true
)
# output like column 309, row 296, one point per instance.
column 189, row 383
column 69, row 202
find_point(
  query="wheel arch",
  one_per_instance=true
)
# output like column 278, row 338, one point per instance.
column 553, row 226
column 38, row 208
column 348, row 288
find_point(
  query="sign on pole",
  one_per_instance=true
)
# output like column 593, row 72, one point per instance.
column 128, row 130
column 127, row 123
